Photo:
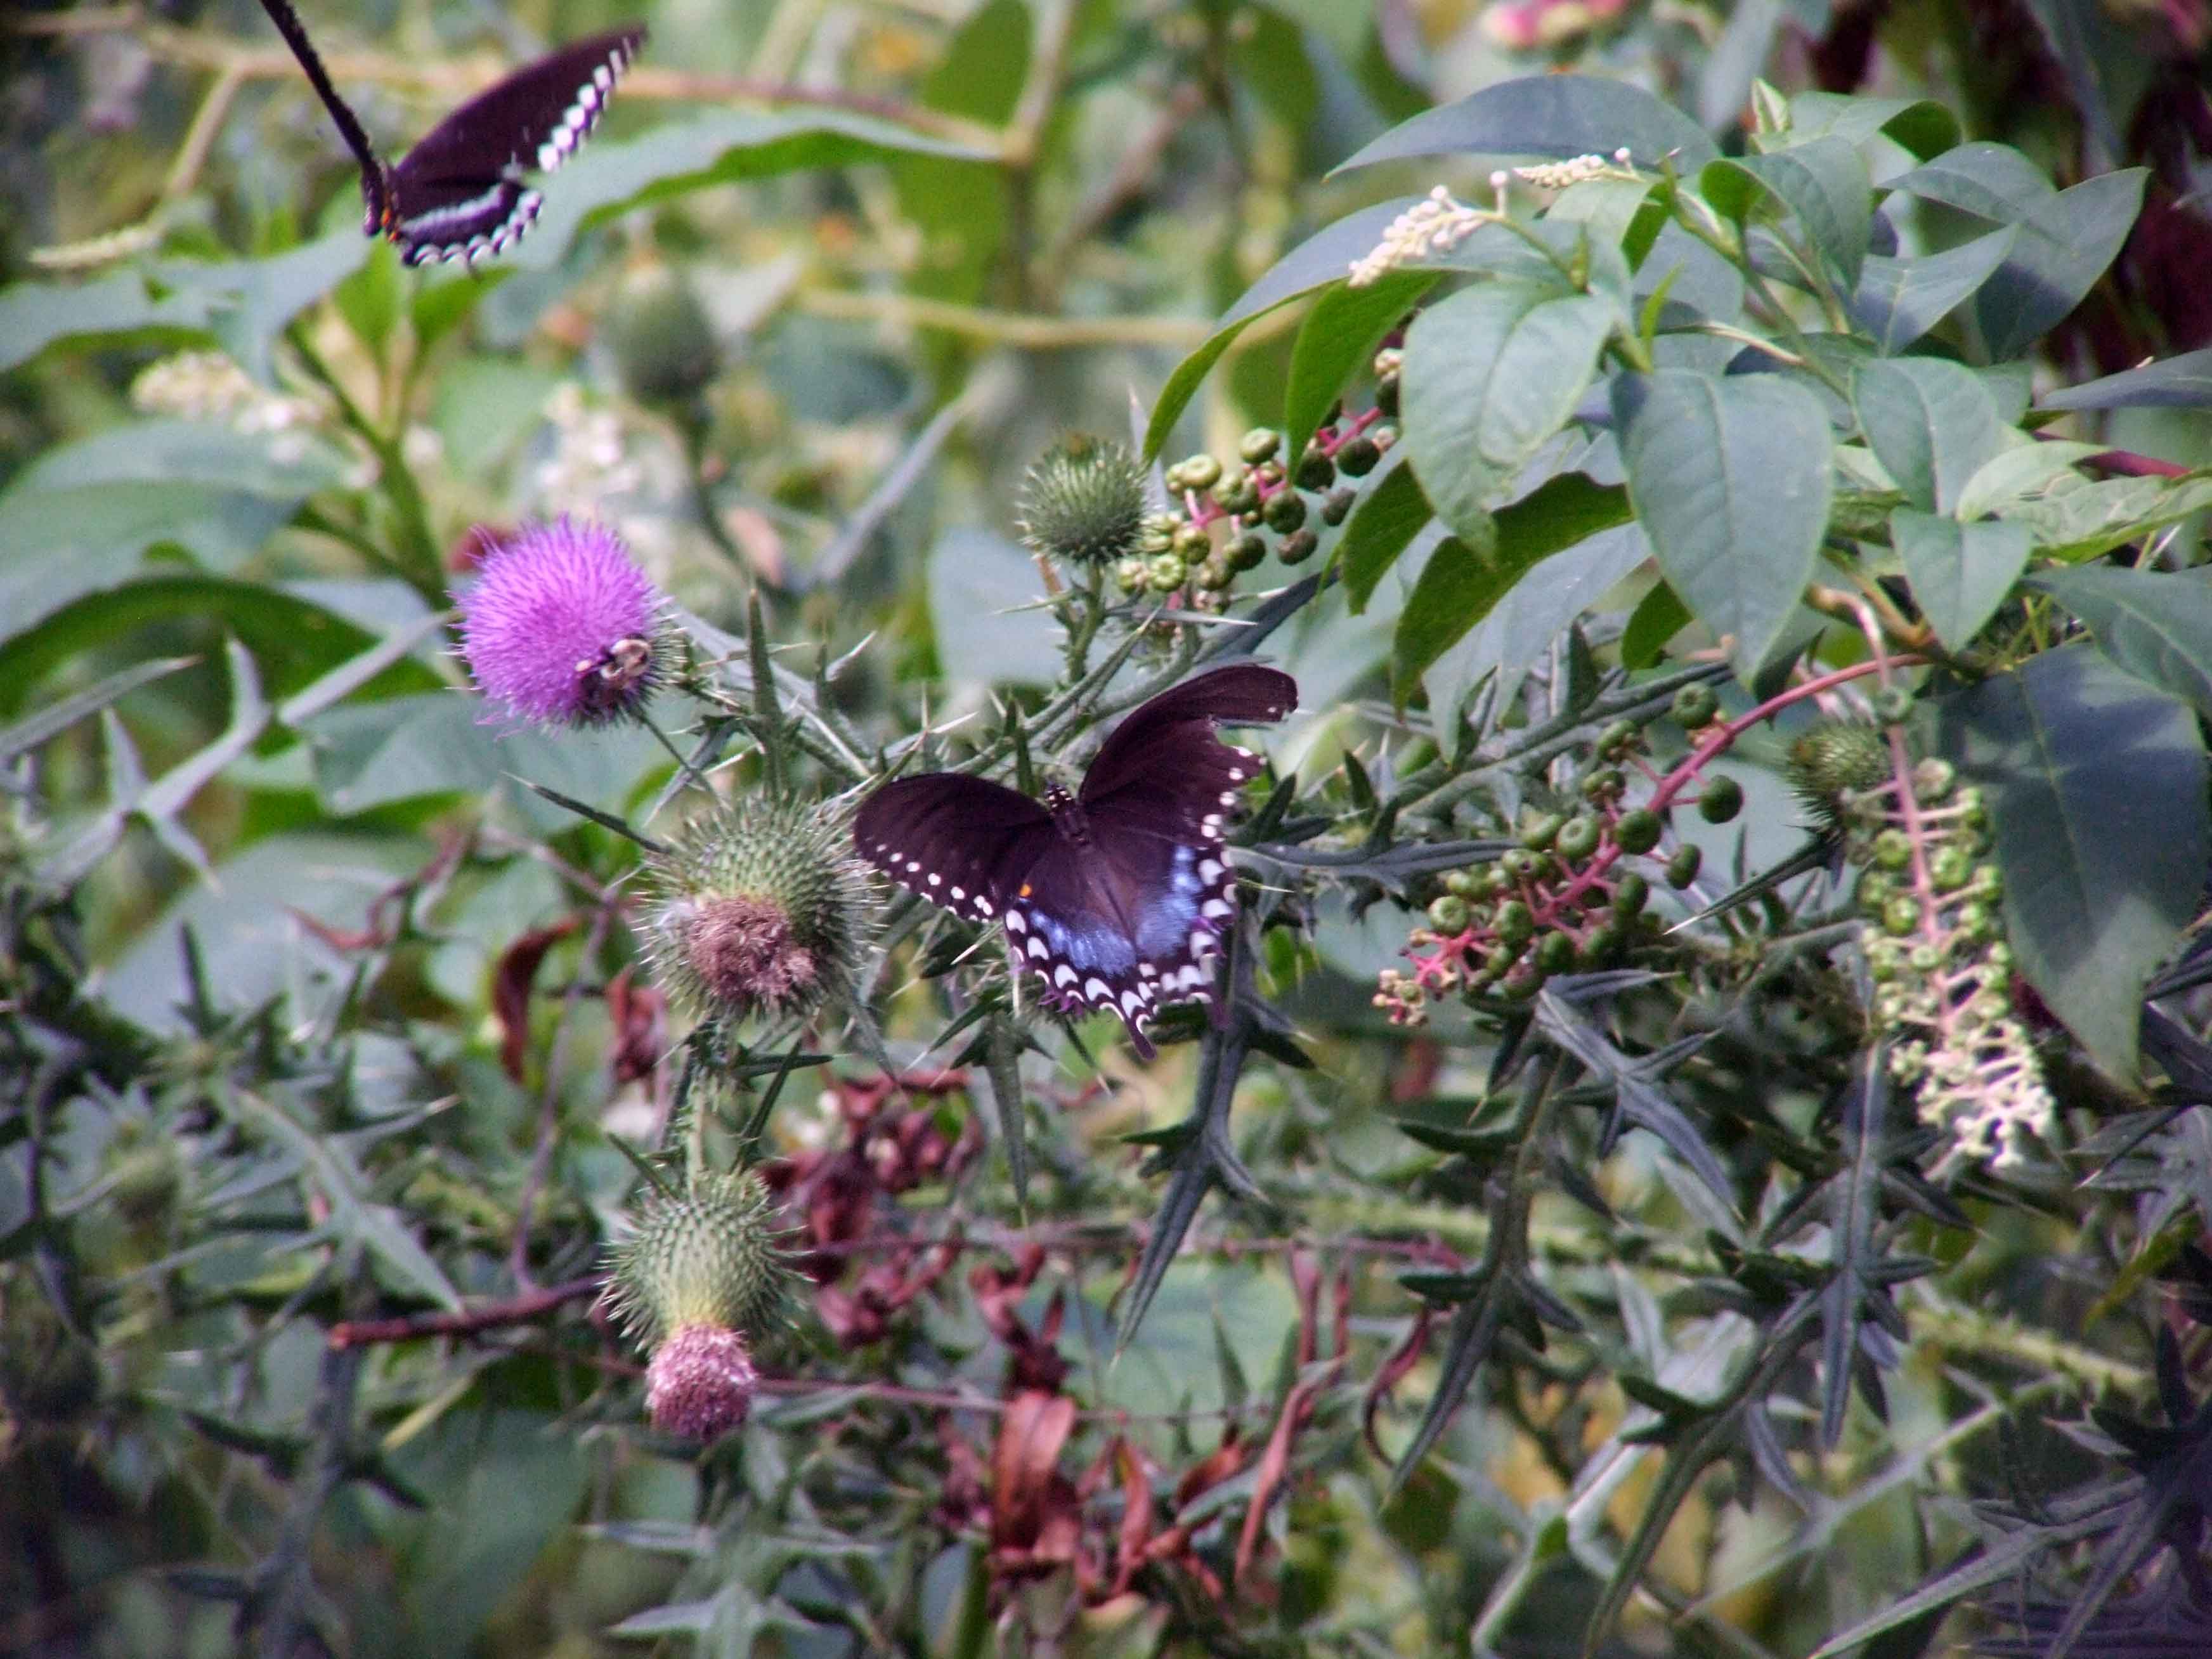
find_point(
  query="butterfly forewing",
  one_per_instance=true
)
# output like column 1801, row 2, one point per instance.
column 461, row 193
column 1166, row 756
column 961, row 842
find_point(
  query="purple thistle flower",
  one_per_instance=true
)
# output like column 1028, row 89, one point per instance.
column 562, row 627
column 700, row 1382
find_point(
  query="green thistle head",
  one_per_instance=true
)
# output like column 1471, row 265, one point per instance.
column 1083, row 501
column 757, row 908
column 709, row 1257
column 1832, row 760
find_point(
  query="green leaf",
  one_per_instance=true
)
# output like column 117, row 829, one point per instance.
column 2182, row 382
column 976, row 579
column 1658, row 617
column 1458, row 586
column 1323, row 258
column 1731, row 479
column 1988, row 180
column 1960, row 573
column 2156, row 627
column 1931, row 424
column 1389, row 514
column 721, row 148
column 1336, row 340
column 1899, row 300
column 2096, row 792
column 2012, row 474
column 1823, row 183
column 2065, row 246
column 1557, row 115
column 1491, row 374
column 1921, row 125
column 373, row 297
column 367, row 755
column 34, row 729
column 2077, row 519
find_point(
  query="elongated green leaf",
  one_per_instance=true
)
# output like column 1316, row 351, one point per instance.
column 1822, row 183
column 1384, row 523
column 2096, row 790
column 32, row 729
column 1899, row 300
column 1459, row 584
column 1959, row 573
column 1491, row 374
column 1988, row 180
column 1931, row 424
column 1920, row 124
column 1558, row 116
column 1324, row 257
column 1731, row 479
column 1658, row 617
column 2020, row 471
column 1339, row 338
column 721, row 148
column 2156, row 627
column 2182, row 382
column 2065, row 246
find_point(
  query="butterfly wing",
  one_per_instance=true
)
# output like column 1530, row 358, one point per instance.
column 961, row 842
column 1166, row 756
column 459, row 192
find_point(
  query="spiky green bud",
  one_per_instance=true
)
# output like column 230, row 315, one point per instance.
column 664, row 344
column 710, row 1256
column 757, row 908
column 1832, row 759
column 1083, row 502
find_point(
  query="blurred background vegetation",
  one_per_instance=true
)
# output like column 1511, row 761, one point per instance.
column 333, row 1020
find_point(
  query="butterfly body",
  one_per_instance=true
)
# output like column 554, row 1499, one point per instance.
column 462, row 192
column 1115, row 896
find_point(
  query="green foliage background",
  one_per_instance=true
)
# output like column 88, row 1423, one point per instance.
column 1633, row 1309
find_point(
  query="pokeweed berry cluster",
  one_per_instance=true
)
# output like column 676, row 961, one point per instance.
column 1933, row 936
column 1226, row 517
column 1564, row 900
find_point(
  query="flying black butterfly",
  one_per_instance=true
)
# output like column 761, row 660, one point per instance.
column 1116, row 895
column 461, row 193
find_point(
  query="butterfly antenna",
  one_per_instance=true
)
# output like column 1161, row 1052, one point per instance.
column 375, row 177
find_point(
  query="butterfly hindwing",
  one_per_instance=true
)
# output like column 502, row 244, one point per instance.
column 963, row 843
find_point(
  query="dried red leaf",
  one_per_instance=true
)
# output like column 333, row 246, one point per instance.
column 511, row 988
column 1403, row 1359
column 639, row 1015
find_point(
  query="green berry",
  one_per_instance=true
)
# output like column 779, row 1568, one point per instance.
column 1579, row 838
column 1893, row 849
column 1720, row 800
column 1892, row 705
column 1517, row 864
column 1284, row 511
column 1631, row 893
column 1950, row 868
column 1191, row 542
column 1200, row 472
column 1514, row 923
column 1601, row 944
column 1619, row 740
column 1245, row 551
column 1448, row 914
column 1682, row 868
column 1603, row 785
column 1358, row 457
column 1337, row 506
column 1297, row 547
column 1694, row 706
column 1637, row 831
column 1260, row 444
column 1167, row 573
column 1539, row 832
column 1213, row 574
column 1932, row 780
column 1463, row 883
column 1315, row 472
column 1900, row 915
column 1555, row 953
column 1386, row 394
column 1873, row 889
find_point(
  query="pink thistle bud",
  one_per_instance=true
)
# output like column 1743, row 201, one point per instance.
column 743, row 950
column 563, row 629
column 700, row 1382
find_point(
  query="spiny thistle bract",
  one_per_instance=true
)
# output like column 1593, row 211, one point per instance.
column 757, row 908
column 1832, row 760
column 701, row 1269
column 561, row 628
column 1083, row 501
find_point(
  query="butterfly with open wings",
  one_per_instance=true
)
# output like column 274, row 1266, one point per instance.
column 1115, row 897
column 462, row 191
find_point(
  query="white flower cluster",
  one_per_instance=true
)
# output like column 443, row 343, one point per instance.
column 1943, row 984
column 1436, row 226
column 207, row 386
column 1558, row 176
column 590, row 460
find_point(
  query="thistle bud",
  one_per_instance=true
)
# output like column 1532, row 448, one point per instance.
column 1083, row 502
column 664, row 344
column 1832, row 759
column 700, row 1269
column 757, row 908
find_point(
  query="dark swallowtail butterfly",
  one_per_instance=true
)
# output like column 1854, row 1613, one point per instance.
column 461, row 193
column 1116, row 897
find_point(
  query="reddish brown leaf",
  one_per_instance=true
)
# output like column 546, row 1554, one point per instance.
column 1225, row 1463
column 1136, row 1531
column 510, row 987
column 1403, row 1359
column 639, row 1015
